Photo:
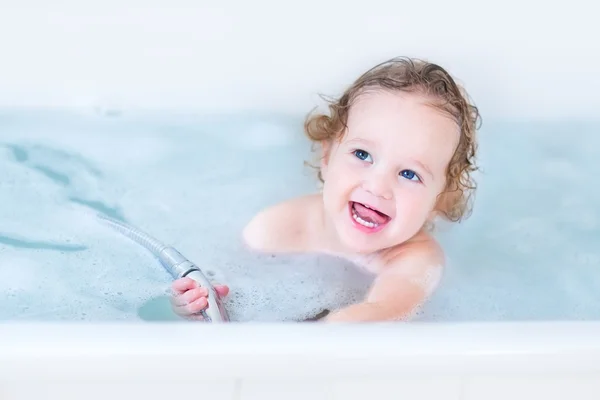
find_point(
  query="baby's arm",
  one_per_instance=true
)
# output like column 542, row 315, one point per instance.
column 404, row 284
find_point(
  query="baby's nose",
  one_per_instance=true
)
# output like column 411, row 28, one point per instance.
column 378, row 186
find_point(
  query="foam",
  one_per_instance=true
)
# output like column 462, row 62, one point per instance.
column 528, row 252
column 60, row 263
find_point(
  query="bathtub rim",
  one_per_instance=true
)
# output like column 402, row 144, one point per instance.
column 134, row 351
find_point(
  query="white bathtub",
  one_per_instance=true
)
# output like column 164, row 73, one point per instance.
column 81, row 56
column 254, row 361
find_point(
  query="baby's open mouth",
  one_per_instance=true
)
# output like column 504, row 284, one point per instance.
column 367, row 216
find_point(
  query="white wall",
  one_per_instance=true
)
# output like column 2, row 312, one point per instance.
column 518, row 58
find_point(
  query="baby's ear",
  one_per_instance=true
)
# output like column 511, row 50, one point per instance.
column 441, row 205
column 325, row 152
column 446, row 203
column 433, row 215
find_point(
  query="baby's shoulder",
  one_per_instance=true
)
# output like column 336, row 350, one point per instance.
column 421, row 250
column 419, row 261
column 281, row 227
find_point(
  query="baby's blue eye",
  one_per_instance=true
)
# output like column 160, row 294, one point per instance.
column 363, row 155
column 408, row 174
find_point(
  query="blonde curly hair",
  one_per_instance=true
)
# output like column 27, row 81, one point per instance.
column 414, row 75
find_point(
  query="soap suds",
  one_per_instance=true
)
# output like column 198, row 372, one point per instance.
column 529, row 251
column 187, row 195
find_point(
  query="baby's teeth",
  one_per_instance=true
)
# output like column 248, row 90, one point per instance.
column 363, row 222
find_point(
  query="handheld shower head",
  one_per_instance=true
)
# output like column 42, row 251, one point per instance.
column 176, row 264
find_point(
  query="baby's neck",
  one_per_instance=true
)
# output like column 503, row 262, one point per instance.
column 323, row 239
column 368, row 262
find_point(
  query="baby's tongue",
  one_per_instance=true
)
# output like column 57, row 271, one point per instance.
column 369, row 215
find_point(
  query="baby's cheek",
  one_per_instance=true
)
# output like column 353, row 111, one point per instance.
column 345, row 177
column 338, row 189
column 414, row 204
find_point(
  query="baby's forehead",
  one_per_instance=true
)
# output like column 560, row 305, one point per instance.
column 425, row 132
column 387, row 116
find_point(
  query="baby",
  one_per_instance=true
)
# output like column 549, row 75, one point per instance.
column 396, row 151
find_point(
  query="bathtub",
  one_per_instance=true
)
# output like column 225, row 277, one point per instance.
column 416, row 361
column 517, row 315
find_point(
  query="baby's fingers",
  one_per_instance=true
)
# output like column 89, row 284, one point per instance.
column 189, row 297
column 182, row 285
column 189, row 309
column 222, row 290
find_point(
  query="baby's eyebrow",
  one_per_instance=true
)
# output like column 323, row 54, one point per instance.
column 360, row 140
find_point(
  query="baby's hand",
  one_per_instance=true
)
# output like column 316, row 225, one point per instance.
column 189, row 298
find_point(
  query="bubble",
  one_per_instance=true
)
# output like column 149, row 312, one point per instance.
column 529, row 250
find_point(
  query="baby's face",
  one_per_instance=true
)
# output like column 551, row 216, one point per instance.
column 383, row 178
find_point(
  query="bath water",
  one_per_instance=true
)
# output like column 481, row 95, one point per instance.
column 529, row 251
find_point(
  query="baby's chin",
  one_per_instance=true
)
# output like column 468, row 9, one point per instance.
column 362, row 246
column 359, row 243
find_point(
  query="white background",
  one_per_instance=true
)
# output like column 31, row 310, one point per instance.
column 522, row 59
